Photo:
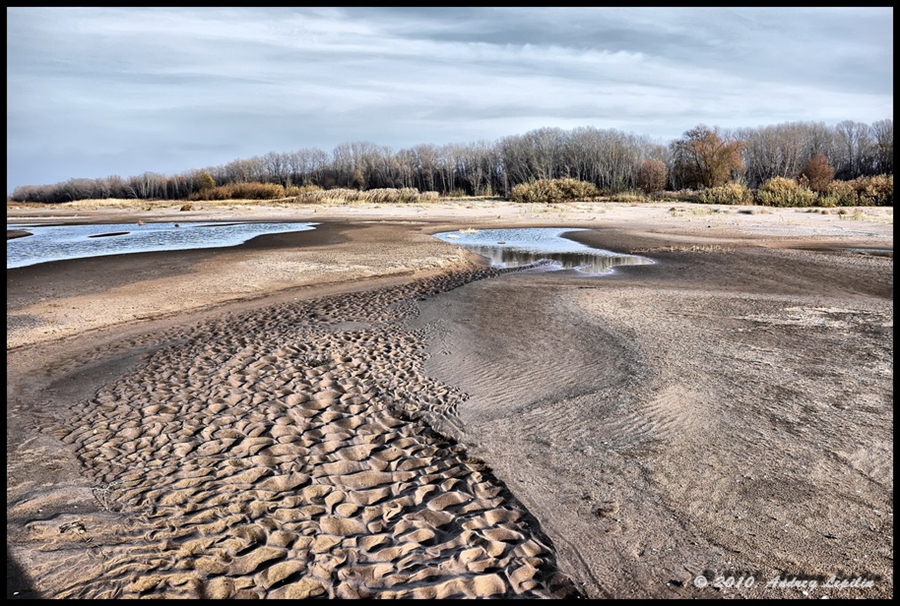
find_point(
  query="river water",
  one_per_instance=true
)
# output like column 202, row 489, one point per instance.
column 60, row 242
column 512, row 247
column 515, row 247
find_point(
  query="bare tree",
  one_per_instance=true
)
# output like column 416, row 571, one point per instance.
column 307, row 166
column 817, row 173
column 853, row 139
column 423, row 159
column 883, row 135
column 652, row 176
column 704, row 157
column 609, row 159
column 276, row 170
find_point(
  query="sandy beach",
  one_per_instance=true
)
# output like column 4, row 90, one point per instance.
column 363, row 410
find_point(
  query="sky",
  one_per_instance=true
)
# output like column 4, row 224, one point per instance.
column 95, row 92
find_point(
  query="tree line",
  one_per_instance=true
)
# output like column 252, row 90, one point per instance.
column 613, row 161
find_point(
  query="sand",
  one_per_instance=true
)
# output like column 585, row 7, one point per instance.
column 366, row 411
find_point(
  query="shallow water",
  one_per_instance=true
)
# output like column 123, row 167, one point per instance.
column 61, row 242
column 515, row 247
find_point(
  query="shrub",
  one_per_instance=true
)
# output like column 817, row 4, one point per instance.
column 210, row 193
column 241, row 191
column 877, row 190
column 730, row 193
column 572, row 189
column 257, row 191
column 682, row 195
column 632, row 196
column 780, row 191
column 385, row 195
column 456, row 193
column 838, row 193
column 205, row 181
column 320, row 196
column 293, row 191
column 388, row 195
column 553, row 190
column 523, row 192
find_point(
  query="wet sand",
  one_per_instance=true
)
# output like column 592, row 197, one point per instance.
column 308, row 415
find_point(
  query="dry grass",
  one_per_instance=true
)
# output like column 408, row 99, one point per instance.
column 694, row 211
column 701, row 248
column 876, row 214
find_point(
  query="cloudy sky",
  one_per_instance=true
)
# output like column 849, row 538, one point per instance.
column 93, row 92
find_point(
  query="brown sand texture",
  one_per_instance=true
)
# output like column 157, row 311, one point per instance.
column 287, row 453
column 362, row 410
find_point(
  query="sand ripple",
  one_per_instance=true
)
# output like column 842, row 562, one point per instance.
column 290, row 453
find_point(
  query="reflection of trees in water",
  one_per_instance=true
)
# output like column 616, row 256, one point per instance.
column 584, row 261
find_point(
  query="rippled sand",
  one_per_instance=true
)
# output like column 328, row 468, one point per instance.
column 284, row 453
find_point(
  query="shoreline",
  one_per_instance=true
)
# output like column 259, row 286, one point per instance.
column 633, row 374
column 255, row 270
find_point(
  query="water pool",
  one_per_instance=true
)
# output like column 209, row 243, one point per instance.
column 515, row 247
column 60, row 242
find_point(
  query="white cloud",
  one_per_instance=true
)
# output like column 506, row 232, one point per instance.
column 186, row 88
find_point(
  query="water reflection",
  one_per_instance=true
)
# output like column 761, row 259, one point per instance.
column 523, row 246
column 60, row 242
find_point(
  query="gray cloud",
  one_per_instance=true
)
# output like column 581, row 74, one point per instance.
column 93, row 92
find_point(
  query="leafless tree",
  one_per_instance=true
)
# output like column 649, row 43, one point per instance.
column 652, row 176
column 883, row 134
column 817, row 173
column 706, row 157
column 853, row 138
